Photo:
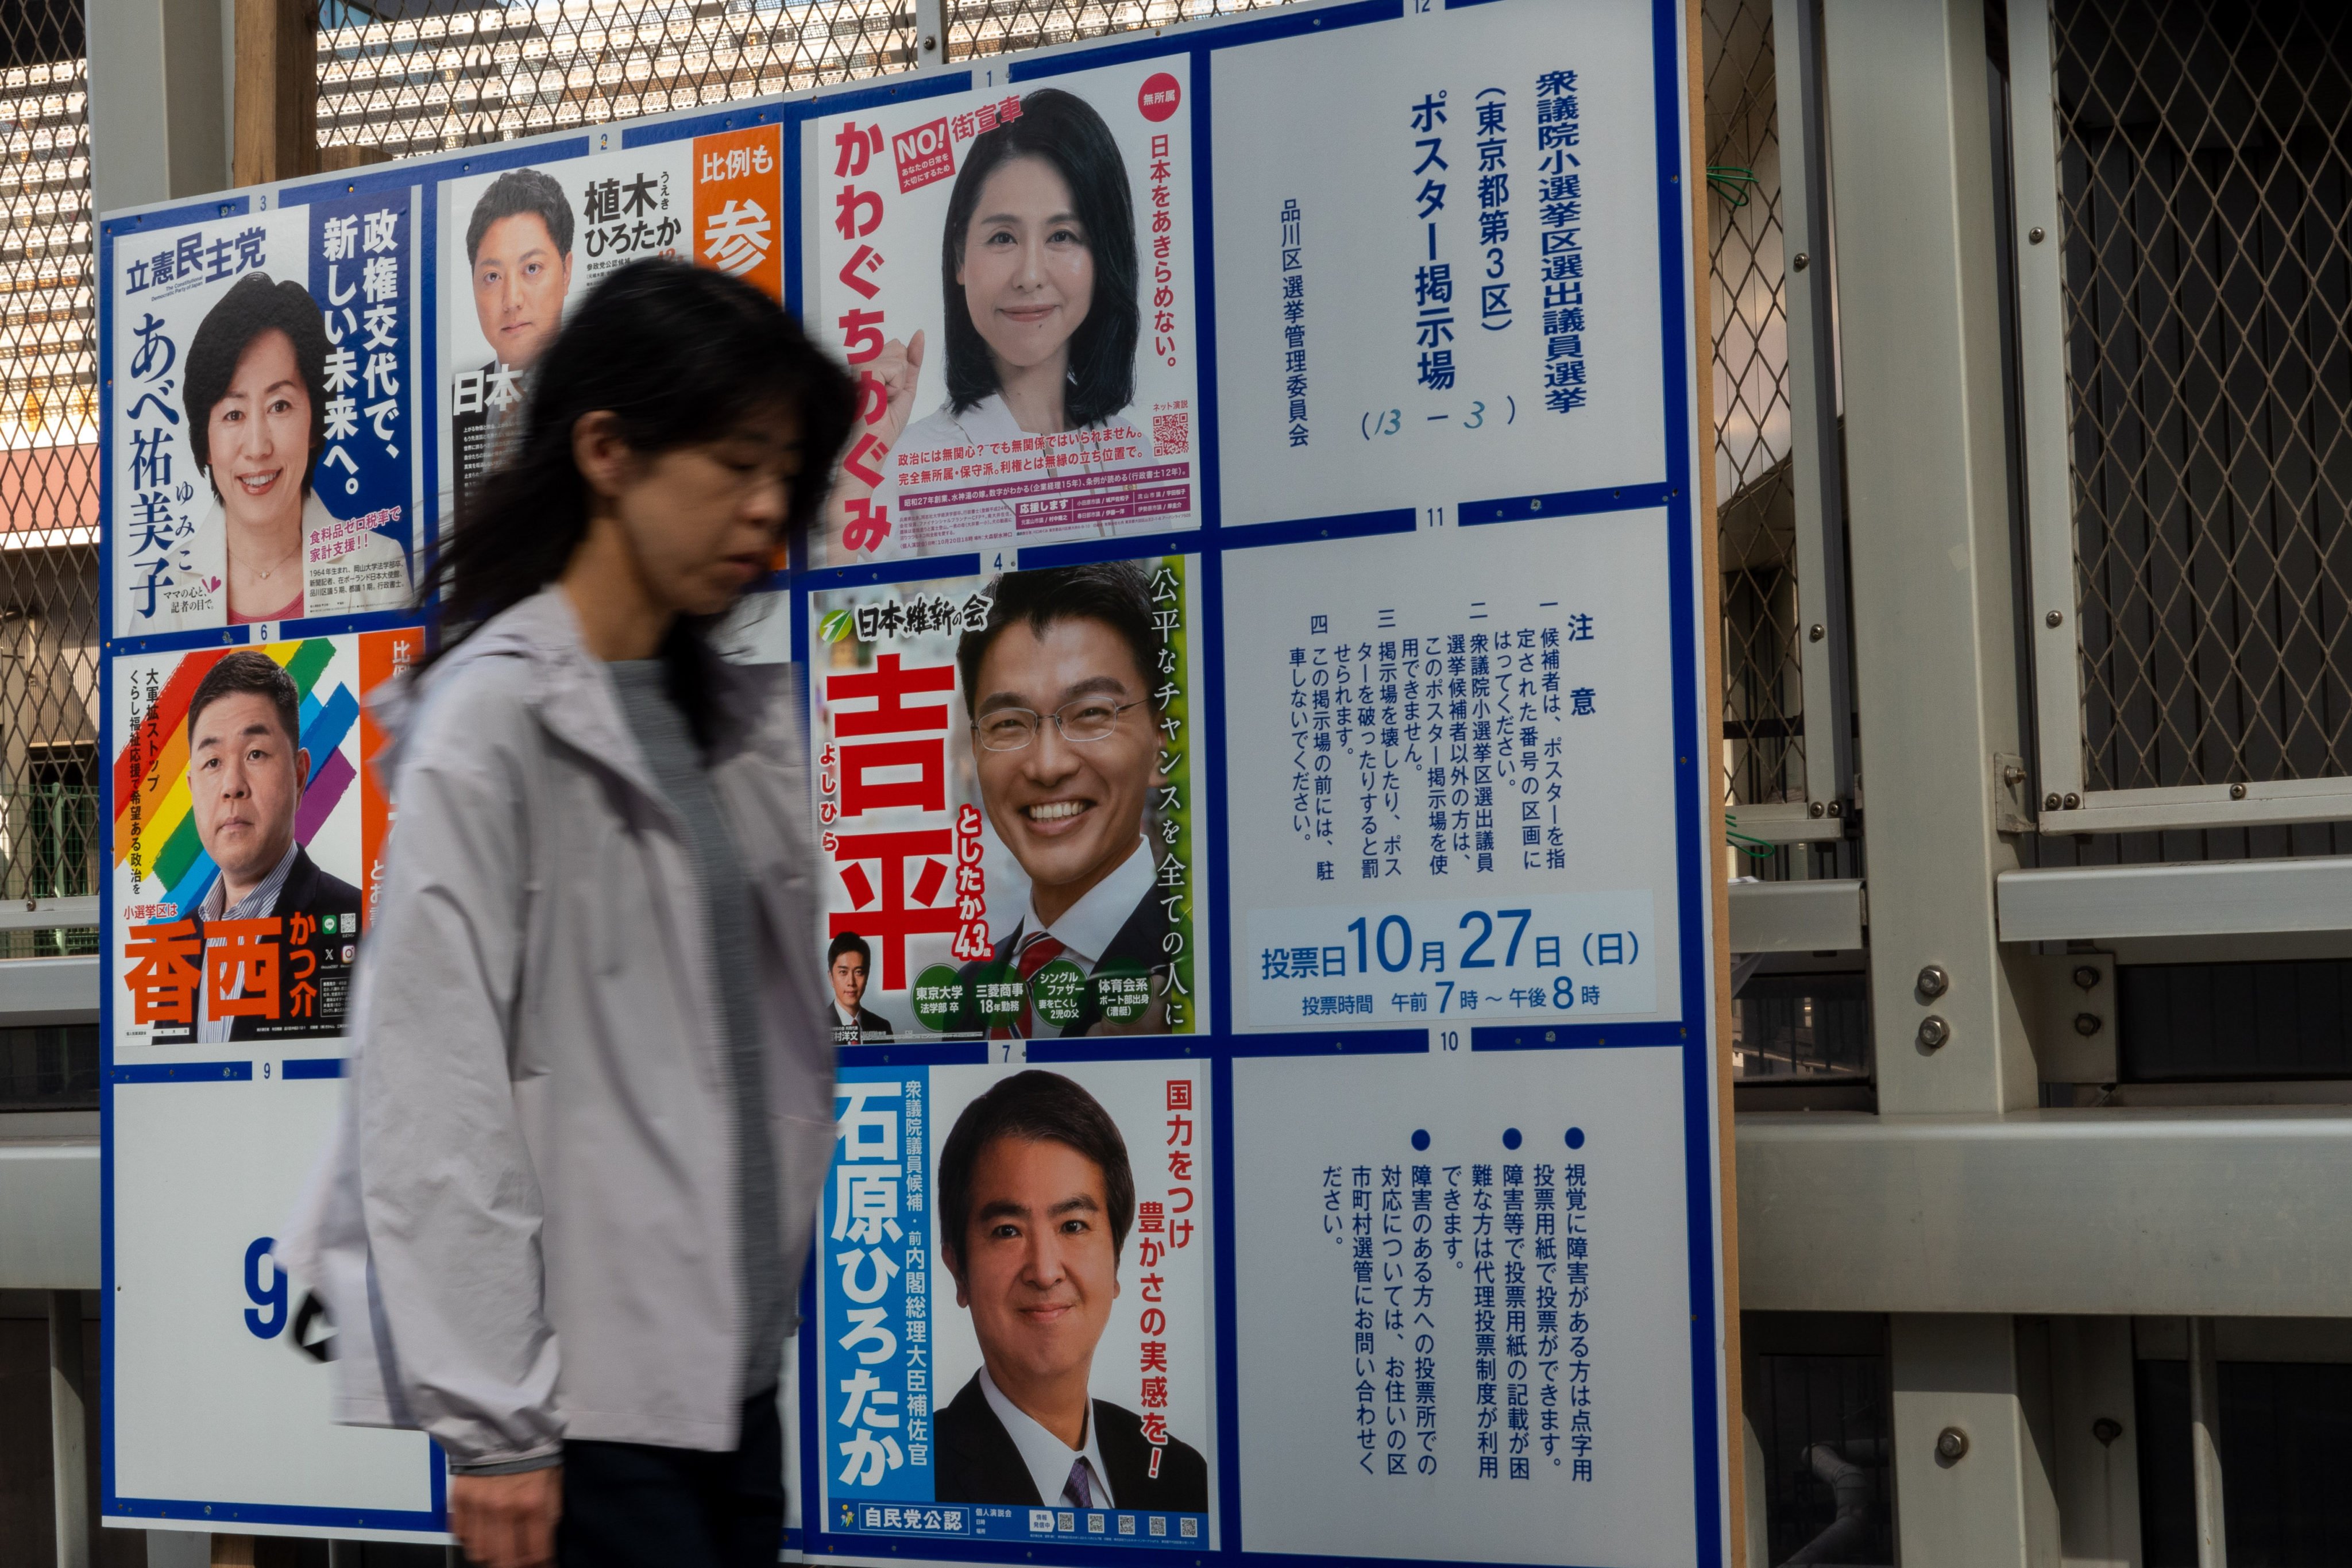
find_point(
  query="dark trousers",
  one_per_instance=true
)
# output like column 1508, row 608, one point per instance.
column 633, row 1505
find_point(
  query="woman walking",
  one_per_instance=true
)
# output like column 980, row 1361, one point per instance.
column 589, row 1114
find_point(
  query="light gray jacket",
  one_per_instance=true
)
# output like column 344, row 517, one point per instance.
column 525, row 1228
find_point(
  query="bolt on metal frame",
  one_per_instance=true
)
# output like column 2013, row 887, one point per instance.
column 1789, row 747
column 2184, row 246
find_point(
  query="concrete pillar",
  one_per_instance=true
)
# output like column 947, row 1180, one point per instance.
column 68, row 1426
column 159, row 96
column 1971, row 1460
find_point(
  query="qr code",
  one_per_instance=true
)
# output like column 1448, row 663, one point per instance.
column 1171, row 434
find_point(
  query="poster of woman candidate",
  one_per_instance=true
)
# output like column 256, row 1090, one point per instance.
column 263, row 381
column 245, row 838
column 1009, row 274
column 1016, row 1341
column 1006, row 791
column 520, row 246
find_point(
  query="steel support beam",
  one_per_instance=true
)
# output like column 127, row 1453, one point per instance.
column 1795, row 917
column 2205, row 1444
column 1971, row 1479
column 48, row 1213
column 2095, row 1416
column 1934, row 636
column 2233, row 1212
column 2200, row 899
column 159, row 100
column 69, row 1430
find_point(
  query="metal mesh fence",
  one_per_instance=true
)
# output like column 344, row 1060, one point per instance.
column 420, row 76
column 48, row 471
column 2205, row 185
column 1763, row 701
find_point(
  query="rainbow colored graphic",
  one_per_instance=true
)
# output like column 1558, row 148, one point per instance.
column 165, row 839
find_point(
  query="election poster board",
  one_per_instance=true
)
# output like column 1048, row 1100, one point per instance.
column 1256, row 678
column 263, row 459
column 524, row 242
column 1009, row 271
column 937, row 924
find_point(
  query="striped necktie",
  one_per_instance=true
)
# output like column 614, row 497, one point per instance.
column 1035, row 953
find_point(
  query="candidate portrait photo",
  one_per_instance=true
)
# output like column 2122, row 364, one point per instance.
column 1035, row 1199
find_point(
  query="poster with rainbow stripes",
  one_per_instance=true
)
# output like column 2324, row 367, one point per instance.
column 246, row 837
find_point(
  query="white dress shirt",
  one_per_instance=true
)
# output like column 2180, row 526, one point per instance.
column 1048, row 1457
column 258, row 904
column 1089, row 926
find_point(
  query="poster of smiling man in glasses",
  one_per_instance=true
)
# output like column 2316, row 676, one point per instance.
column 1005, row 793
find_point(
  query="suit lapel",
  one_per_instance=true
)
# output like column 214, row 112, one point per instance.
column 989, row 1454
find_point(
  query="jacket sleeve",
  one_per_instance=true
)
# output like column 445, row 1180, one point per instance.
column 452, row 1208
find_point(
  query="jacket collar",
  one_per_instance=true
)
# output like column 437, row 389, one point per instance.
column 572, row 693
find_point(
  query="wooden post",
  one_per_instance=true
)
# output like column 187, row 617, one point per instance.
column 1702, row 370
column 277, row 91
column 235, row 1551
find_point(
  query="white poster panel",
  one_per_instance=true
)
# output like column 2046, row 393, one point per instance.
column 1009, row 272
column 1483, row 1346
column 1447, row 754
column 1445, row 286
column 214, row 1402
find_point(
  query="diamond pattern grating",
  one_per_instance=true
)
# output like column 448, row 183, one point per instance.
column 48, row 472
column 2206, row 202
column 1763, row 705
column 422, row 76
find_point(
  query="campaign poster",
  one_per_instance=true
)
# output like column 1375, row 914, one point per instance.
column 1447, row 751
column 1008, row 272
column 1014, row 1271
column 1443, row 289
column 522, row 247
column 1007, row 795
column 246, row 841
column 263, row 383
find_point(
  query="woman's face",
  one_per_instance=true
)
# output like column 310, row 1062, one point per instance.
column 260, row 434
column 1028, row 271
column 704, row 521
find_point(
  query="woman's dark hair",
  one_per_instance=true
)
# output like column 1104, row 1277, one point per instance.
column 679, row 354
column 515, row 192
column 255, row 305
column 1067, row 133
column 1036, row 1107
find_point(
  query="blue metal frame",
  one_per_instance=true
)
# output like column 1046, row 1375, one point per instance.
column 1218, row 1043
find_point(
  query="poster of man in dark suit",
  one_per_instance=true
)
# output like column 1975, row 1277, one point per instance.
column 519, row 263
column 246, row 771
column 847, row 964
column 1065, row 745
column 1036, row 1196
